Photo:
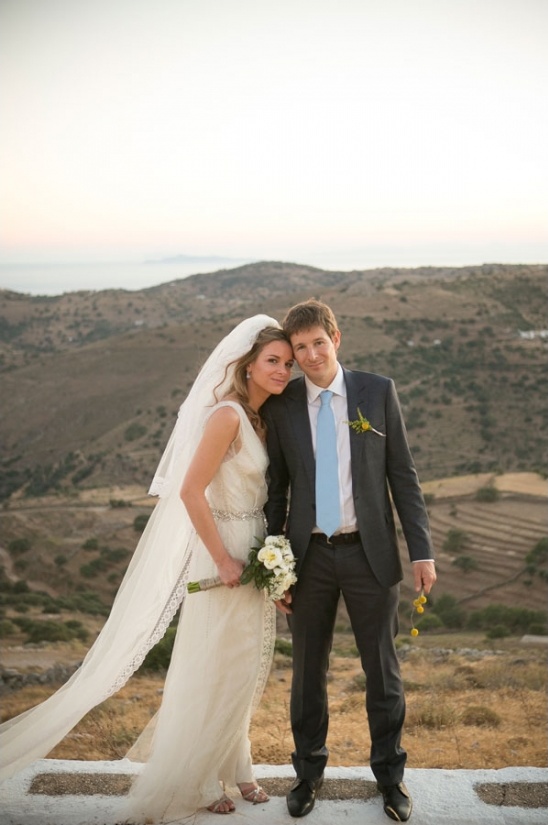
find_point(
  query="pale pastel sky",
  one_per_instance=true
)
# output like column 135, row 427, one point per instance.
column 318, row 131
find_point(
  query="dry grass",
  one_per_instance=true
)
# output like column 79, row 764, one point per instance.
column 462, row 712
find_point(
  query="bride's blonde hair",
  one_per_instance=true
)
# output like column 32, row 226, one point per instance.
column 238, row 385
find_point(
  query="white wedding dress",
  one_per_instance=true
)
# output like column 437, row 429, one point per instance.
column 220, row 662
column 224, row 644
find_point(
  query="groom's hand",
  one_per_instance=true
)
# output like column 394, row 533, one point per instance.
column 284, row 605
column 424, row 573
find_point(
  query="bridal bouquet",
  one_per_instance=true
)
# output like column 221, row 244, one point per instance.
column 270, row 567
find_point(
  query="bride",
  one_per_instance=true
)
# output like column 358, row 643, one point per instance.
column 212, row 488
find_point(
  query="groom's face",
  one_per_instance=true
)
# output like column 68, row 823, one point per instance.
column 316, row 354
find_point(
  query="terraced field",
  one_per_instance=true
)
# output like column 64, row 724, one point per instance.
column 499, row 535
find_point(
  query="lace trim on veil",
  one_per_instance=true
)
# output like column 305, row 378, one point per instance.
column 175, row 600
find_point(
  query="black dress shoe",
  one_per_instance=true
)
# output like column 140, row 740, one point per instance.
column 397, row 801
column 302, row 796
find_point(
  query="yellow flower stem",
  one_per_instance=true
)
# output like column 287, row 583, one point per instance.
column 417, row 606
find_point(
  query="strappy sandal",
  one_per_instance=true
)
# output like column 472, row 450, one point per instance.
column 255, row 795
column 215, row 808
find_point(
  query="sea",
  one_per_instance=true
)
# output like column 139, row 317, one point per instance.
column 58, row 278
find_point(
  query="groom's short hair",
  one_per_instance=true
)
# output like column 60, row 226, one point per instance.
column 311, row 313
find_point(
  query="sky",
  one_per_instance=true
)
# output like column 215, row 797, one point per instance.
column 338, row 133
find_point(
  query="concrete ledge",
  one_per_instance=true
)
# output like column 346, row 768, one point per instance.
column 440, row 796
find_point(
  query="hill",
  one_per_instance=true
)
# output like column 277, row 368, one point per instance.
column 92, row 380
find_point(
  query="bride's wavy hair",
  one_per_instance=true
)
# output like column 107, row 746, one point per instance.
column 238, row 385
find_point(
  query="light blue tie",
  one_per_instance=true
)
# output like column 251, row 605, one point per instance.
column 328, row 513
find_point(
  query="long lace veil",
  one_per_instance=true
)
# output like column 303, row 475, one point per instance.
column 154, row 585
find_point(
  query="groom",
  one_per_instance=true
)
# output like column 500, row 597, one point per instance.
column 329, row 491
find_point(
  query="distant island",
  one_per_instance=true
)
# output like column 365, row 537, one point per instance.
column 200, row 259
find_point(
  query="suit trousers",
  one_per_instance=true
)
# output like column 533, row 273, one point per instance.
column 326, row 572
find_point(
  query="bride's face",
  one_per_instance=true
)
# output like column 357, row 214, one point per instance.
column 271, row 370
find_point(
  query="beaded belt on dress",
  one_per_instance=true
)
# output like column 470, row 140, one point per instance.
column 226, row 515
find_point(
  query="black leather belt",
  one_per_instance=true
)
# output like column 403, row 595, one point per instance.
column 340, row 538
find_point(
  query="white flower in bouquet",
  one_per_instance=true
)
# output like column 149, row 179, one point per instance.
column 270, row 556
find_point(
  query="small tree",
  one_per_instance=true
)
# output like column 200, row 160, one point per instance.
column 455, row 541
column 465, row 563
column 451, row 614
column 537, row 559
column 488, row 493
column 18, row 546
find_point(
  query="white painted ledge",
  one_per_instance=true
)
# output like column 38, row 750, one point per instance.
column 441, row 797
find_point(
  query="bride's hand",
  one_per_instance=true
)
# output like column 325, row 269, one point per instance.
column 284, row 604
column 230, row 571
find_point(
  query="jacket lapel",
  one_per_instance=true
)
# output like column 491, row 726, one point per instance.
column 297, row 406
column 355, row 397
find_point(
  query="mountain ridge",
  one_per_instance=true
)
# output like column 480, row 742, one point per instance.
column 92, row 380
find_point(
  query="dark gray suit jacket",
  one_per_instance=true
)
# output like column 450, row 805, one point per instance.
column 378, row 465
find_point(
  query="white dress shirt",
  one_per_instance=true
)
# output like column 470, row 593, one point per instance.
column 339, row 406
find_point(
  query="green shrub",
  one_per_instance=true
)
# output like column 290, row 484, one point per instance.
column 499, row 631
column 51, row 631
column 283, row 646
column 48, row 631
column 449, row 611
column 537, row 558
column 134, row 431
column 91, row 570
column 487, row 494
column 85, row 601
column 114, row 556
column 465, row 563
column 539, row 553
column 480, row 716
column 77, row 629
column 7, row 628
column 428, row 622
column 358, row 682
column 434, row 715
column 455, row 541
column 5, row 585
column 537, row 629
column 160, row 656
column 140, row 522
column 22, row 622
column 51, row 608
column 18, row 546
column 90, row 544
column 515, row 619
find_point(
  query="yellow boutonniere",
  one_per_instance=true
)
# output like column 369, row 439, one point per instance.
column 362, row 425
